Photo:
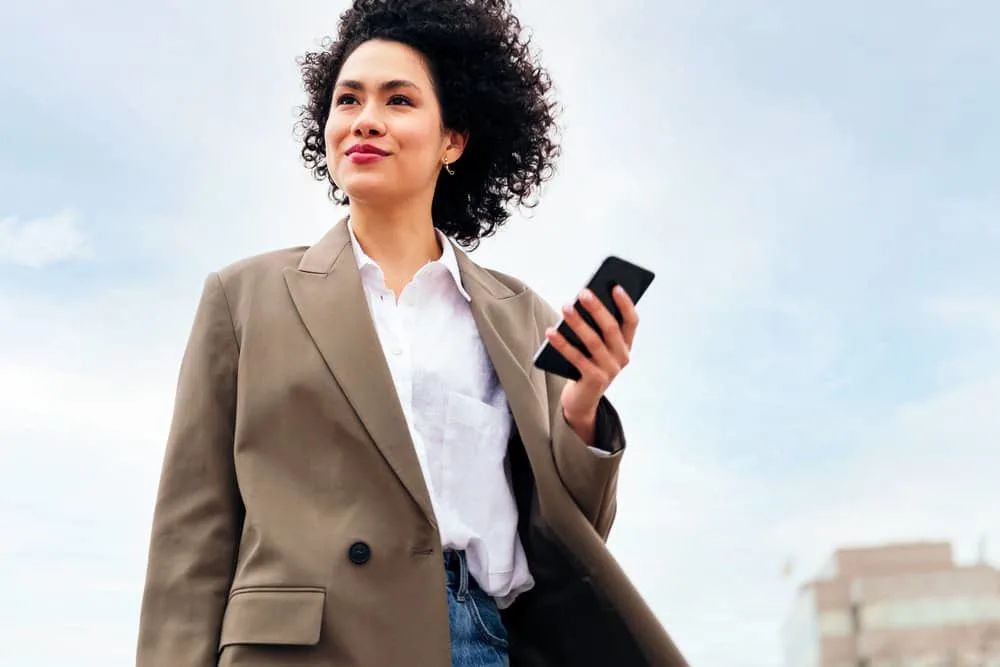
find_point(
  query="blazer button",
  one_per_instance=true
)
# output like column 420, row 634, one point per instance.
column 359, row 553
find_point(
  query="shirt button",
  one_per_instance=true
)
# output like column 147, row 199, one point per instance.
column 396, row 351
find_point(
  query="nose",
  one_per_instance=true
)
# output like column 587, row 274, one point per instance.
column 368, row 123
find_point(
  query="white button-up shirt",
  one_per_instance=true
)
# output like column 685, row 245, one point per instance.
column 457, row 415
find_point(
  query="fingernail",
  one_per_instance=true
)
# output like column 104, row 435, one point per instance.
column 567, row 310
column 586, row 295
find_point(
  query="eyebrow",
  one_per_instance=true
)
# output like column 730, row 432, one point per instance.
column 394, row 84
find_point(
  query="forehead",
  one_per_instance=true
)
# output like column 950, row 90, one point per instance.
column 381, row 60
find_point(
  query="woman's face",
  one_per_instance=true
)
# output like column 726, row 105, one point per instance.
column 384, row 101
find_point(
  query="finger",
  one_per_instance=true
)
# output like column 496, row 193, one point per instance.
column 613, row 335
column 592, row 341
column 630, row 316
column 591, row 373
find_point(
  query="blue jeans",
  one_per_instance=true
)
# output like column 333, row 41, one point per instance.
column 478, row 635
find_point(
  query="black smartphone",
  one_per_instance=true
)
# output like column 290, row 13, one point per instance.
column 613, row 271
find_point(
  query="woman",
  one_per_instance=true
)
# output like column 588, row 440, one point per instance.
column 364, row 468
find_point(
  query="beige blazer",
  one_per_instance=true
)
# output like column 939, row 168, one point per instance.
column 292, row 525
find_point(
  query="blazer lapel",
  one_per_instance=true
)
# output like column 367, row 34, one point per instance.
column 329, row 296
column 506, row 323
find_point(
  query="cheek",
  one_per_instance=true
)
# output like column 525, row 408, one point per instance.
column 422, row 140
column 333, row 137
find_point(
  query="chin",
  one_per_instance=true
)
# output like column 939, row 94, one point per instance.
column 366, row 187
column 369, row 194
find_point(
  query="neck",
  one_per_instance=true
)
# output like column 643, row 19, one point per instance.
column 399, row 239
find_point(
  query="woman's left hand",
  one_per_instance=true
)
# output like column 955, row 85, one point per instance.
column 609, row 356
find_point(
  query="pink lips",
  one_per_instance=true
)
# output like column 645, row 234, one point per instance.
column 365, row 158
column 365, row 154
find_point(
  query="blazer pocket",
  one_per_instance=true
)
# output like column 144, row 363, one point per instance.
column 273, row 616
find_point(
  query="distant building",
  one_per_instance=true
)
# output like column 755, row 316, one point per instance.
column 902, row 605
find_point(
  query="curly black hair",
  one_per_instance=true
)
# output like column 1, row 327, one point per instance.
column 489, row 85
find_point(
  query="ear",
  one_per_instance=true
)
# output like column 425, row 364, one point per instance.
column 455, row 144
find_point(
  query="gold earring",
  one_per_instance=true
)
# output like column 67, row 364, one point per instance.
column 447, row 168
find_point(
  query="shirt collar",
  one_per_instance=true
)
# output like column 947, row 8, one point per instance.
column 448, row 258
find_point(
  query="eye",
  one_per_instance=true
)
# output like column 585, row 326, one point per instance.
column 400, row 99
column 346, row 98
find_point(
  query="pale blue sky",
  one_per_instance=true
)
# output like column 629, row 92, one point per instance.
column 819, row 358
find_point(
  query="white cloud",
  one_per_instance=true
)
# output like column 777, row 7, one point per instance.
column 34, row 644
column 42, row 241
column 927, row 470
column 975, row 311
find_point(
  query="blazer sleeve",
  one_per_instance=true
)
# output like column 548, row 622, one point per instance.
column 591, row 478
column 198, row 513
